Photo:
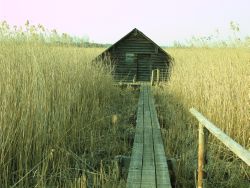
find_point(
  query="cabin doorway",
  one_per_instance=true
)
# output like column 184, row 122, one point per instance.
column 144, row 67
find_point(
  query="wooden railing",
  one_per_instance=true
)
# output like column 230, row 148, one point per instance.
column 155, row 73
column 236, row 148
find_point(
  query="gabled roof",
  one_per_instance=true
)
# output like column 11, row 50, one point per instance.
column 135, row 30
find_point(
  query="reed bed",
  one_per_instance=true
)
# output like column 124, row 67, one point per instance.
column 55, row 117
column 216, row 82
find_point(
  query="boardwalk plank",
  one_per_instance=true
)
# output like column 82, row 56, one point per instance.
column 162, row 173
column 148, row 170
column 148, row 166
column 135, row 167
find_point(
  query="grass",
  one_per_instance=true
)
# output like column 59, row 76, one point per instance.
column 55, row 117
column 216, row 82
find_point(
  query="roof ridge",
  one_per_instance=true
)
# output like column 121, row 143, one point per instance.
column 146, row 37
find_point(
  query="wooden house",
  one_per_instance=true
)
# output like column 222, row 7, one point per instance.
column 135, row 56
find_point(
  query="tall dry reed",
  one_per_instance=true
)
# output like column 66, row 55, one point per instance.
column 216, row 82
column 55, row 116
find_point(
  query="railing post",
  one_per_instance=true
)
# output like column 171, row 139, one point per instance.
column 157, row 76
column 134, row 79
column 152, row 78
column 200, row 155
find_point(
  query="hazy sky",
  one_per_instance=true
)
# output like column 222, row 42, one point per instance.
column 108, row 20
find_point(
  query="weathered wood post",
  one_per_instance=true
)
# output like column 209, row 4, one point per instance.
column 157, row 76
column 152, row 78
column 134, row 79
column 202, row 155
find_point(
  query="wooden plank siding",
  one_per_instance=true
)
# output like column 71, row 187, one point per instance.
column 148, row 56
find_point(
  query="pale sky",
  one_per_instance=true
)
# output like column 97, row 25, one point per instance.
column 106, row 21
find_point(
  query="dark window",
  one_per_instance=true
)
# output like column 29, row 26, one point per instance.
column 130, row 57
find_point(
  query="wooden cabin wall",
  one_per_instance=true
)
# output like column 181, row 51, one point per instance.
column 145, row 51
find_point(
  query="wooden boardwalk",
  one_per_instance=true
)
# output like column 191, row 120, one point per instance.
column 148, row 165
